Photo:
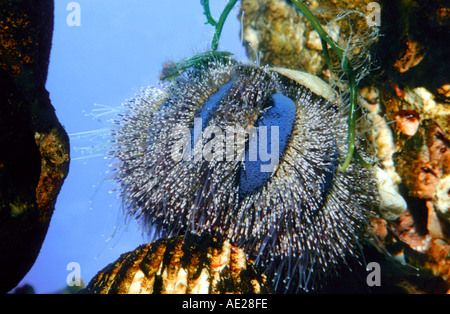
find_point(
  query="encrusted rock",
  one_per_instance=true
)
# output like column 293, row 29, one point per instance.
column 34, row 154
column 276, row 33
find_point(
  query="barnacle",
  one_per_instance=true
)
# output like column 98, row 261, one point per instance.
column 188, row 161
column 189, row 264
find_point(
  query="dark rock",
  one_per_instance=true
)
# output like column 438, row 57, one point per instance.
column 34, row 148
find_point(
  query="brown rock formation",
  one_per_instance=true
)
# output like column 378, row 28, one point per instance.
column 34, row 148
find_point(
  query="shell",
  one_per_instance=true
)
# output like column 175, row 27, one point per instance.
column 190, row 264
column 442, row 197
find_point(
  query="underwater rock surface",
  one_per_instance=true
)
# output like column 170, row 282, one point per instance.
column 407, row 99
column 34, row 154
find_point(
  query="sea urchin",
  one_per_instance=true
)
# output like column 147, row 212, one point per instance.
column 248, row 153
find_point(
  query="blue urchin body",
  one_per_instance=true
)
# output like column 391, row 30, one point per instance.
column 302, row 216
